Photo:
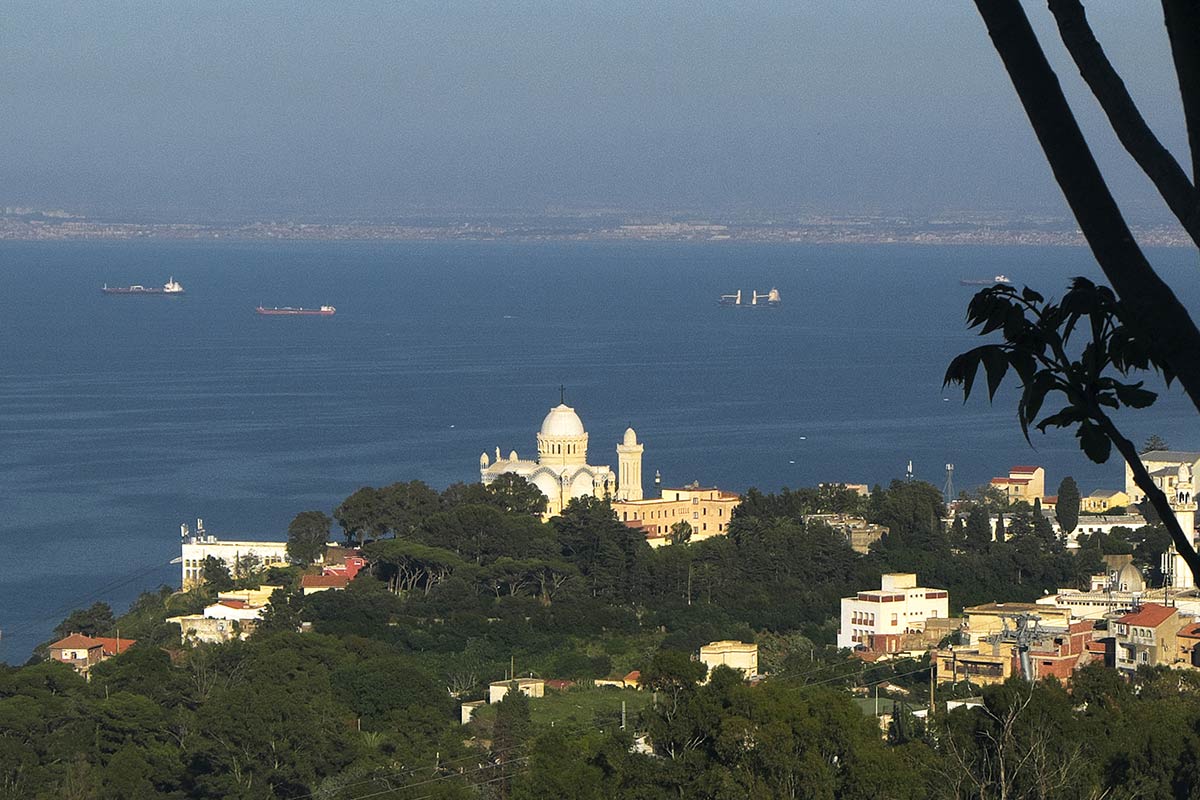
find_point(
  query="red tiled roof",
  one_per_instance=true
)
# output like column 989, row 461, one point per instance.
column 1050, row 498
column 634, row 677
column 1190, row 631
column 113, row 646
column 232, row 603
column 76, row 641
column 1151, row 616
column 1014, row 481
column 1023, row 470
column 324, row 581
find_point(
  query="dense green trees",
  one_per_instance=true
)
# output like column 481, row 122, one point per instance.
column 307, row 535
column 464, row 587
column 96, row 620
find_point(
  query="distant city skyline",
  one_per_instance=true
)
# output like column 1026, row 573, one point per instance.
column 224, row 111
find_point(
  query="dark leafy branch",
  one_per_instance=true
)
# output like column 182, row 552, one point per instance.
column 1150, row 304
column 1126, row 120
column 1082, row 349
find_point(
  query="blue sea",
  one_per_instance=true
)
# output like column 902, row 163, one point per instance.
column 122, row 417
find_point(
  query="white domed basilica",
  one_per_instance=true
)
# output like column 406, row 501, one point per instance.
column 561, row 471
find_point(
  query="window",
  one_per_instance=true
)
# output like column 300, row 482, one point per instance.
column 695, row 515
column 1144, row 657
column 895, row 619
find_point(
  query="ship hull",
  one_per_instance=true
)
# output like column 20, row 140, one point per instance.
column 133, row 290
column 295, row 312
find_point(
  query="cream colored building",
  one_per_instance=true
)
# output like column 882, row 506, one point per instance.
column 990, row 618
column 197, row 546
column 706, row 509
column 877, row 619
column 741, row 656
column 1023, row 484
column 1174, row 472
column 561, row 470
column 234, row 616
column 530, row 687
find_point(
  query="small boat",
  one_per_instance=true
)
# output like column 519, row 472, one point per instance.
column 170, row 287
column 288, row 311
column 1001, row 278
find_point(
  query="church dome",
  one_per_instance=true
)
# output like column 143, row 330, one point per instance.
column 630, row 436
column 562, row 421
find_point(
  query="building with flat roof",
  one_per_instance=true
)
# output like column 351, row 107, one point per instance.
column 706, row 509
column 858, row 533
column 989, row 619
column 741, row 656
column 530, row 687
column 240, row 557
column 877, row 619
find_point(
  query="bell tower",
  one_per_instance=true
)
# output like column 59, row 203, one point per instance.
column 629, row 467
column 1183, row 503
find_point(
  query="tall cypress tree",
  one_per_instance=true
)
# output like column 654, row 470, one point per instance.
column 1067, row 510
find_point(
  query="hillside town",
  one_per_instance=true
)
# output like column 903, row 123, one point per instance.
column 1119, row 619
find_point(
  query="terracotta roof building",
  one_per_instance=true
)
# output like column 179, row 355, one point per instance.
column 83, row 652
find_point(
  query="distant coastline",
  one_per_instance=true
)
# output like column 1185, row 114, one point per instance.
column 59, row 226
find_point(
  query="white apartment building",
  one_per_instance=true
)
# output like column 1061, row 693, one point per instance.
column 197, row 546
column 876, row 619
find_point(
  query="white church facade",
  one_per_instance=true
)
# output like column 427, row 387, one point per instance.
column 1174, row 472
column 561, row 470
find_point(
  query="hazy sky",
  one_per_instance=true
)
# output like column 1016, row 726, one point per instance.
column 354, row 107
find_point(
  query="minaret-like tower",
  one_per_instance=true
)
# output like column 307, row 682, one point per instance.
column 1183, row 503
column 629, row 467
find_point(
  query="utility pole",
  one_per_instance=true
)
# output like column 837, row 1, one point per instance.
column 932, row 682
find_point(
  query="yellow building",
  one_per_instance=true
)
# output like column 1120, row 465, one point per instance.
column 740, row 656
column 1101, row 500
column 1023, row 484
column 706, row 509
column 984, row 665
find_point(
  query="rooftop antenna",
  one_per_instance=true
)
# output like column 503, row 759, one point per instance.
column 948, row 491
column 562, row 395
column 908, row 473
column 657, row 478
